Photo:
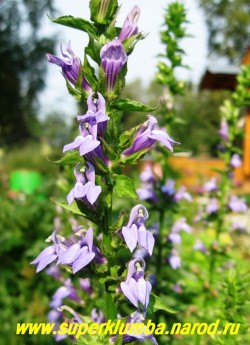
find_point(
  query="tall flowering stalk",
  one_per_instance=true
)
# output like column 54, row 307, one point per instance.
column 97, row 157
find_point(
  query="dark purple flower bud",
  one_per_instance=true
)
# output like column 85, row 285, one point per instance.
column 79, row 254
column 130, row 27
column 85, row 187
column 223, row 131
column 113, row 59
column 70, row 65
column 237, row 204
column 212, row 206
column 147, row 136
column 49, row 254
column 135, row 288
column 236, row 160
column 135, row 232
column 95, row 118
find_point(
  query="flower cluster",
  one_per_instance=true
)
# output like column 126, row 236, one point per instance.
column 77, row 251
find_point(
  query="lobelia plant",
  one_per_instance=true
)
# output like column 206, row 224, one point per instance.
column 99, row 249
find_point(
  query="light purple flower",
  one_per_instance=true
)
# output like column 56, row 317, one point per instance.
column 79, row 254
column 85, row 285
column 130, row 27
column 174, row 259
column 147, row 175
column 113, row 58
column 147, row 136
column 97, row 316
column 169, row 187
column 179, row 225
column 212, row 206
column 238, row 225
column 199, row 245
column 135, row 232
column 237, row 204
column 49, row 254
column 182, row 194
column 236, row 160
column 54, row 272
column 147, row 192
column 86, row 142
column 70, row 65
column 211, row 185
column 85, row 187
column 223, row 131
column 136, row 288
column 96, row 117
column 66, row 291
column 132, row 335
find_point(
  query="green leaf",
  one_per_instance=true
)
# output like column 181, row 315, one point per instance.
column 130, row 105
column 71, row 158
column 89, row 73
column 120, row 221
column 125, row 187
column 133, row 159
column 72, row 208
column 156, row 303
column 76, row 23
column 93, row 50
column 77, row 95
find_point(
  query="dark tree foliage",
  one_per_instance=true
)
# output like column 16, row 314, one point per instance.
column 22, row 65
column 228, row 23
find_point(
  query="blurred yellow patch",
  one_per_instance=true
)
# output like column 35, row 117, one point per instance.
column 225, row 239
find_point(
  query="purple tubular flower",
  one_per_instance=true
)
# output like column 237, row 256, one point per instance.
column 130, row 27
column 70, row 65
column 79, row 254
column 135, row 232
column 66, row 291
column 147, row 136
column 181, row 224
column 95, row 117
column 86, row 142
column 136, row 288
column 236, row 160
column 85, row 187
column 174, row 259
column 146, row 192
column 223, row 131
column 212, row 206
column 113, row 57
column 49, row 254
column 237, row 204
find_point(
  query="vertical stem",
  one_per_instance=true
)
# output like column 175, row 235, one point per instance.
column 161, row 224
column 107, row 218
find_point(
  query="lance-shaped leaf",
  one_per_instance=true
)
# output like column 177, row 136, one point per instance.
column 70, row 158
column 76, row 23
column 125, row 187
column 130, row 105
column 156, row 303
column 89, row 73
